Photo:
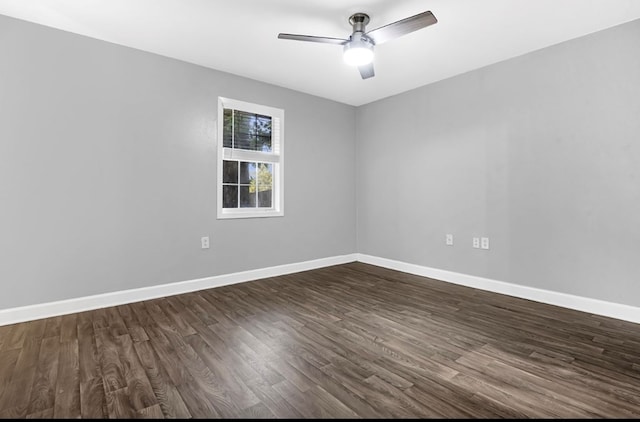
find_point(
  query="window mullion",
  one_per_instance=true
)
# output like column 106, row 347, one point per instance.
column 256, row 192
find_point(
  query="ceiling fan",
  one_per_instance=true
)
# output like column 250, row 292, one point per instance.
column 358, row 49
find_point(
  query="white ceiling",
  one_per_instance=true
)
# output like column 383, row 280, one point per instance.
column 240, row 36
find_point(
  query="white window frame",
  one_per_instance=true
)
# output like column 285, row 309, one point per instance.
column 276, row 158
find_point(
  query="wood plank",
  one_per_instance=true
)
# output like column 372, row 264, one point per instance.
column 134, row 329
column 141, row 394
column 119, row 404
column 45, row 414
column 8, row 360
column 67, row 400
column 276, row 404
column 69, row 328
column 110, row 364
column 44, row 387
column 52, row 327
column 152, row 412
column 257, row 411
column 13, row 338
column 177, row 373
column 93, row 403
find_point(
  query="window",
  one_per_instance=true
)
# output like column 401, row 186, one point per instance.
column 250, row 160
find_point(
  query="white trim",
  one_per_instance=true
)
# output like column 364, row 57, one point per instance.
column 580, row 303
column 248, row 213
column 69, row 306
column 80, row 304
column 244, row 155
column 249, row 107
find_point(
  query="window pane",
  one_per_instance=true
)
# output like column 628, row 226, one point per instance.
column 263, row 125
column 264, row 198
column 263, row 143
column 247, row 198
column 263, row 133
column 243, row 141
column 243, row 130
column 229, row 196
column 265, row 177
column 227, row 140
column 247, row 173
column 229, row 172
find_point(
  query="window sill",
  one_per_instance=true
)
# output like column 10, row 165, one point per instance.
column 226, row 215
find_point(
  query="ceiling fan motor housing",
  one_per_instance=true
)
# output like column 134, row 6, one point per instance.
column 359, row 21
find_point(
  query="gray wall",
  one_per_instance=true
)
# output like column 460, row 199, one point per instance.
column 108, row 171
column 541, row 153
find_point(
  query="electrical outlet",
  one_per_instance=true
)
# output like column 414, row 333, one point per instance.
column 484, row 243
column 449, row 240
column 476, row 242
column 205, row 242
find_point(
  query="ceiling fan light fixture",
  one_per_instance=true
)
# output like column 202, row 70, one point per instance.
column 358, row 52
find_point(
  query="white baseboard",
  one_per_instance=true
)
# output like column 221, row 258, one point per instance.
column 80, row 304
column 592, row 306
column 69, row 306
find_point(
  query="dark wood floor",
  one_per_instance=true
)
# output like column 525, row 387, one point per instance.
column 347, row 341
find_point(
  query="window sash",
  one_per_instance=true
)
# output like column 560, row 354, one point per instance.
column 246, row 183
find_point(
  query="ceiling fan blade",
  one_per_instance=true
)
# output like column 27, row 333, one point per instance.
column 401, row 27
column 366, row 71
column 325, row 40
